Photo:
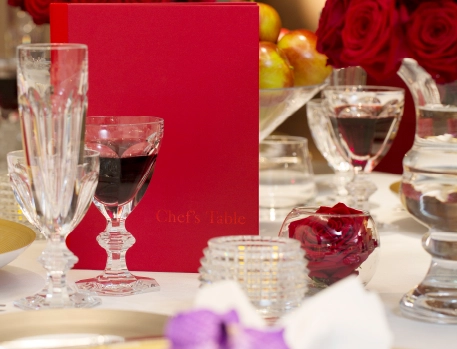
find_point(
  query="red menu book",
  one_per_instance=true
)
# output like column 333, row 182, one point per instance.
column 195, row 65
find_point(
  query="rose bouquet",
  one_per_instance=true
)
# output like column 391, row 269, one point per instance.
column 337, row 241
column 378, row 34
column 39, row 9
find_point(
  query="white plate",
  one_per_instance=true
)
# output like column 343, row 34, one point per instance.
column 66, row 328
column 14, row 239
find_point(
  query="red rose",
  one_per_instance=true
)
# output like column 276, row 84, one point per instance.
column 39, row 9
column 372, row 36
column 331, row 23
column 17, row 3
column 336, row 241
column 432, row 38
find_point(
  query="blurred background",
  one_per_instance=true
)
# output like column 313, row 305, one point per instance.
column 295, row 14
column 301, row 14
column 15, row 26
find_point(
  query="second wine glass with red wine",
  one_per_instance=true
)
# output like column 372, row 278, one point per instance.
column 128, row 147
column 364, row 121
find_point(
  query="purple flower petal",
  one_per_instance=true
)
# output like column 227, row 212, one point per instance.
column 204, row 329
column 253, row 339
column 196, row 329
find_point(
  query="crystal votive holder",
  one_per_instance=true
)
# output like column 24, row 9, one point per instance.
column 271, row 270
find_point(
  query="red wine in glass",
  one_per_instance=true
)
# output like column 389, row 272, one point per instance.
column 364, row 138
column 126, row 166
column 121, row 179
column 364, row 122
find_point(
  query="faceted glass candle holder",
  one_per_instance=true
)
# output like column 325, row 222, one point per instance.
column 271, row 270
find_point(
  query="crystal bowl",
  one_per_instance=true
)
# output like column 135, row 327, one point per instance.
column 276, row 105
column 336, row 245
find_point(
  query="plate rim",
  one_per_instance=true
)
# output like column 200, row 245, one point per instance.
column 81, row 320
column 29, row 233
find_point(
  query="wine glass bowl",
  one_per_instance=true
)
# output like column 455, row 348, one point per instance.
column 364, row 121
column 276, row 105
column 321, row 133
column 128, row 147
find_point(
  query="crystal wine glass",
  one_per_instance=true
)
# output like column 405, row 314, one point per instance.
column 52, row 89
column 128, row 147
column 322, row 137
column 364, row 121
column 86, row 182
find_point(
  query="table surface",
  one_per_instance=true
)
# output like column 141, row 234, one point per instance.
column 402, row 264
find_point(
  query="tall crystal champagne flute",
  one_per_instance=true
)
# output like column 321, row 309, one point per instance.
column 128, row 147
column 52, row 88
column 364, row 120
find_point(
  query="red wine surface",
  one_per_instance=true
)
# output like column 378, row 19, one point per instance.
column 364, row 135
column 121, row 178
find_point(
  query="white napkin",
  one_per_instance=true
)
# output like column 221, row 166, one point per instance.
column 343, row 316
column 227, row 295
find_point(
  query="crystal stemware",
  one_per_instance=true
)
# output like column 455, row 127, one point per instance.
column 322, row 137
column 87, row 176
column 52, row 89
column 128, row 147
column 364, row 120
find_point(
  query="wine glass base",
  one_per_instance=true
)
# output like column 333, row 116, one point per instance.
column 40, row 301
column 436, row 307
column 119, row 286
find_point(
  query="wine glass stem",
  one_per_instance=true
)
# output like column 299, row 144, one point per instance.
column 340, row 180
column 360, row 189
column 57, row 259
column 116, row 240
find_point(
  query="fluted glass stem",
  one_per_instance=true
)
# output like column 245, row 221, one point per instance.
column 116, row 240
column 57, row 259
column 360, row 189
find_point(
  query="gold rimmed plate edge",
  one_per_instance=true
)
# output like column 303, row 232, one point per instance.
column 129, row 325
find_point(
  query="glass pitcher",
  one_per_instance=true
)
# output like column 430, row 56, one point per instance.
column 429, row 192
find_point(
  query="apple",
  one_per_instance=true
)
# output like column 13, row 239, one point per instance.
column 310, row 66
column 269, row 23
column 282, row 32
column 275, row 70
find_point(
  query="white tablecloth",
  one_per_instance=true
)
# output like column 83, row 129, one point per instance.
column 403, row 263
